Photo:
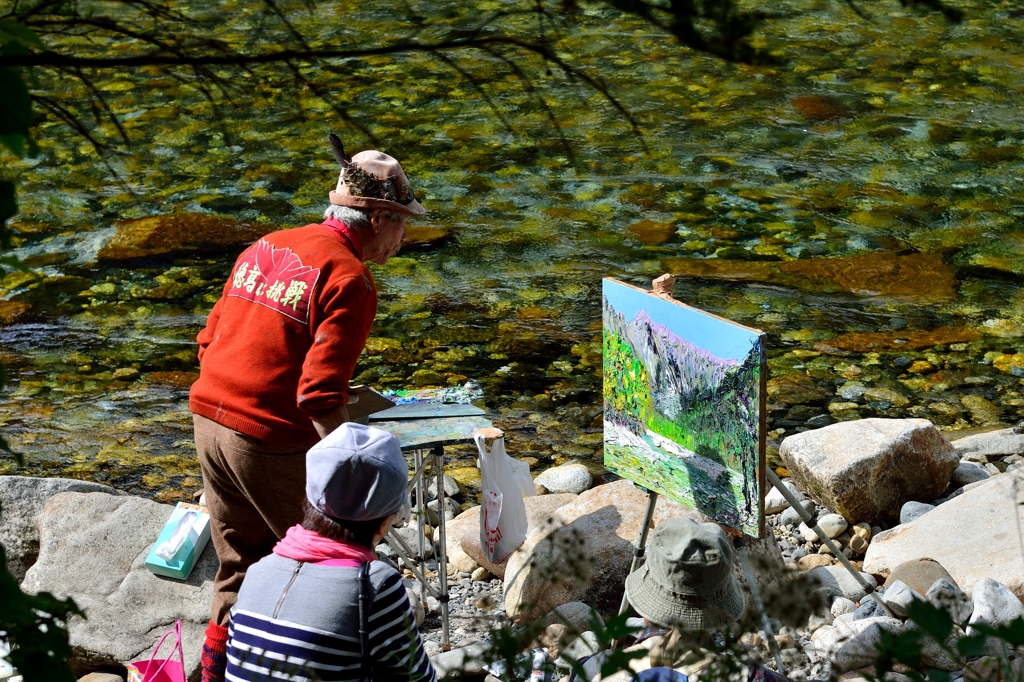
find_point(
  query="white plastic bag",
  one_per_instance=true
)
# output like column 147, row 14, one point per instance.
column 503, row 519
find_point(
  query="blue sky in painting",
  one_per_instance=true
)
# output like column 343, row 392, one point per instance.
column 722, row 339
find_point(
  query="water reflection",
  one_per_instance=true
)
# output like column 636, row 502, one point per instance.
column 876, row 141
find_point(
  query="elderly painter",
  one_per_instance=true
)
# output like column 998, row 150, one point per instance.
column 276, row 358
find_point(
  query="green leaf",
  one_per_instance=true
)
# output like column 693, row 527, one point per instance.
column 619, row 659
column 11, row 31
column 939, row 676
column 3, row 375
column 973, row 645
column 1012, row 633
column 934, row 621
column 14, row 142
column 16, row 110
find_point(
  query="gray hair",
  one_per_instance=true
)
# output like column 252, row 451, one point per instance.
column 357, row 217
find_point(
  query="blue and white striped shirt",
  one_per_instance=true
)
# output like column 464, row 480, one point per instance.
column 296, row 622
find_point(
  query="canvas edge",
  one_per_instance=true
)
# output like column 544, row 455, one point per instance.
column 762, row 436
column 757, row 332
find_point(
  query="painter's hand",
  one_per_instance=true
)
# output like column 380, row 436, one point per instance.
column 325, row 425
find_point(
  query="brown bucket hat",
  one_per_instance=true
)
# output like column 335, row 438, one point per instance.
column 372, row 180
column 687, row 581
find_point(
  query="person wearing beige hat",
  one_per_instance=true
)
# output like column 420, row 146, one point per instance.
column 276, row 358
column 685, row 591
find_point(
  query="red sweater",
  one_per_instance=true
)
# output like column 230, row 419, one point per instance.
column 281, row 343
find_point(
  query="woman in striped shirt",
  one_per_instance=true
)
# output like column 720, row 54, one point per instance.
column 298, row 612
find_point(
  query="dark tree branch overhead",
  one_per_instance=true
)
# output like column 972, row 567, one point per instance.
column 49, row 58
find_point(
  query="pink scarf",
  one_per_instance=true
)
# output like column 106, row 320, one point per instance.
column 347, row 233
column 304, row 545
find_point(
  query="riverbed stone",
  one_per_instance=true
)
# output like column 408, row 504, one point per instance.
column 869, row 608
column 185, row 233
column 92, row 548
column 576, row 615
column 791, row 517
column 775, row 502
column 919, row 574
column 21, row 498
column 969, row 472
column 994, row 605
column 852, row 644
column 585, row 555
column 797, row 389
column 913, row 509
column 833, row 525
column 898, row 597
column 991, row 444
column 572, row 478
column 812, row 561
column 947, row 596
column 839, row 583
column 983, row 410
column 973, row 536
column 452, row 488
column 933, row 655
column 841, row 605
column 465, row 661
column 866, row 470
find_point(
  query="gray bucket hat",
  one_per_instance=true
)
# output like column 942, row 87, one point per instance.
column 687, row 579
column 357, row 473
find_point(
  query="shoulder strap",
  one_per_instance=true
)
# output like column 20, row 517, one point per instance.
column 365, row 602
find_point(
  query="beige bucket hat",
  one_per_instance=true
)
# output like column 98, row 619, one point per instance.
column 373, row 180
column 687, row 581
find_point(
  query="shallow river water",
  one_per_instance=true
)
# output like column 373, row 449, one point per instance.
column 860, row 202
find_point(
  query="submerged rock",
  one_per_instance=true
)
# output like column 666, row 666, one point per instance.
column 866, row 470
column 922, row 276
column 185, row 233
column 12, row 311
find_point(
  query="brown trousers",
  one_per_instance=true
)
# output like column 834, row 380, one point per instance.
column 254, row 491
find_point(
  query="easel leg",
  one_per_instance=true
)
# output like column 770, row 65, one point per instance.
column 869, row 591
column 442, row 551
column 641, row 542
column 741, row 548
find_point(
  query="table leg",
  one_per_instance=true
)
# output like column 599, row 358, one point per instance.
column 421, row 513
column 442, row 552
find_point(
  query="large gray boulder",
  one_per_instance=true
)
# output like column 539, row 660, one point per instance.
column 867, row 469
column 92, row 548
column 973, row 536
column 462, row 534
column 992, row 444
column 585, row 553
column 21, row 498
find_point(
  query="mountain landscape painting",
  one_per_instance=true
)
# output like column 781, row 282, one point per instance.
column 684, row 405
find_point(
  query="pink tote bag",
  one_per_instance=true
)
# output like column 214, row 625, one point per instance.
column 161, row 669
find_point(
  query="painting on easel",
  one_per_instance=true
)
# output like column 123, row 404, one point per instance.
column 684, row 405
